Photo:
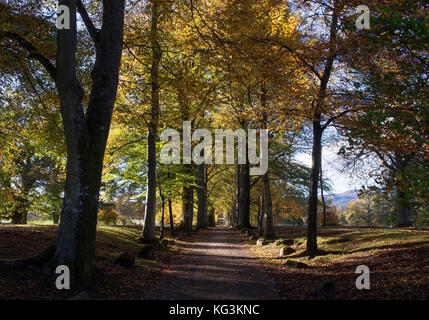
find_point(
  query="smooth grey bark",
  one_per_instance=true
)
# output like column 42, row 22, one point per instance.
column 86, row 131
column 268, row 208
column 202, row 197
column 86, row 134
column 148, row 233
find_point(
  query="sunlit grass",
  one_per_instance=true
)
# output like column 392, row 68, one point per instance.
column 339, row 245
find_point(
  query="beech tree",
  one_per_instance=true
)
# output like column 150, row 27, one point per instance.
column 148, row 234
column 86, row 128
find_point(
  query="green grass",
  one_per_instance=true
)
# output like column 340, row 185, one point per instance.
column 397, row 258
column 341, row 244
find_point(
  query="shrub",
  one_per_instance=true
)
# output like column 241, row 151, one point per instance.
column 108, row 215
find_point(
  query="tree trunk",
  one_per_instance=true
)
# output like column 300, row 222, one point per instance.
column 86, row 137
column 232, row 216
column 188, row 203
column 206, row 195
column 318, row 131
column 402, row 200
column 162, row 217
column 20, row 210
column 404, row 210
column 86, row 131
column 314, row 178
column 268, row 208
column 237, row 195
column 16, row 216
column 212, row 217
column 261, row 215
column 24, row 216
column 321, row 191
column 170, row 212
column 244, row 197
column 202, row 198
column 149, row 234
column 55, row 218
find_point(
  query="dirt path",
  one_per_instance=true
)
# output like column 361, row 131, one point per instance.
column 217, row 265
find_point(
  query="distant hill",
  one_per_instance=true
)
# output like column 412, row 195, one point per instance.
column 342, row 199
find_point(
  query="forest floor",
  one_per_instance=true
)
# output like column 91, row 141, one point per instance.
column 114, row 281
column 220, row 263
column 398, row 260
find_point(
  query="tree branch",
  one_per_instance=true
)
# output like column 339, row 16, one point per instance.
column 126, row 144
column 93, row 31
column 33, row 52
column 330, row 120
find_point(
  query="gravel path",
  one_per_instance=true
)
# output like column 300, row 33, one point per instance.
column 217, row 265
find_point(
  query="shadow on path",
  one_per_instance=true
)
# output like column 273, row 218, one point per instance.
column 217, row 265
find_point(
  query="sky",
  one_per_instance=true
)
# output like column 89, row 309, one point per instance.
column 331, row 165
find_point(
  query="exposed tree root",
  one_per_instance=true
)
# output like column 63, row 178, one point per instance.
column 39, row 259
